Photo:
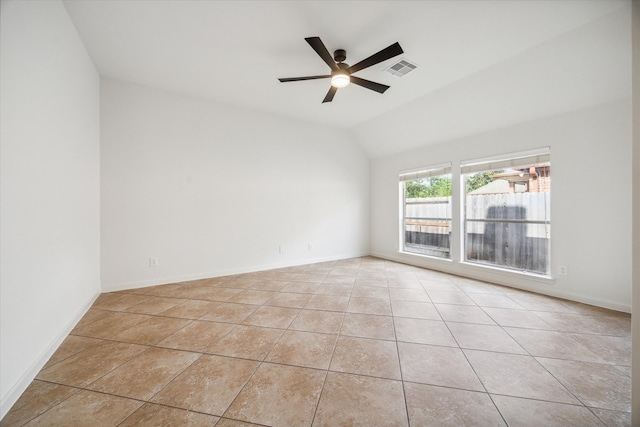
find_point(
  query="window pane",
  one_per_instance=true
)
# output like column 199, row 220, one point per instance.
column 427, row 215
column 507, row 217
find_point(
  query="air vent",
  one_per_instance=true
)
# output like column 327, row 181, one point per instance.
column 401, row 68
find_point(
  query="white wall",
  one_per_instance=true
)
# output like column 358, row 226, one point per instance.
column 590, row 201
column 211, row 189
column 635, row 317
column 49, row 187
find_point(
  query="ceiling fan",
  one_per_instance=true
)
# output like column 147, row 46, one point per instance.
column 341, row 73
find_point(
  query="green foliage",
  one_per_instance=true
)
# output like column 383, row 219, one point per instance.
column 440, row 186
column 435, row 186
column 480, row 179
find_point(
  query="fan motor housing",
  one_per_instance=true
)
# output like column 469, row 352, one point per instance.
column 340, row 55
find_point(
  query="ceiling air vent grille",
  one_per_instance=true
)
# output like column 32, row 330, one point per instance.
column 401, row 68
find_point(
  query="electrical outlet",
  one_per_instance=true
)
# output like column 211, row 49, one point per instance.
column 310, row 247
column 563, row 270
column 153, row 262
column 281, row 249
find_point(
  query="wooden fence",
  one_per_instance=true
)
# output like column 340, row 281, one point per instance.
column 507, row 230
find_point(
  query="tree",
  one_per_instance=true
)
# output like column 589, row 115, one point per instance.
column 435, row 186
column 480, row 179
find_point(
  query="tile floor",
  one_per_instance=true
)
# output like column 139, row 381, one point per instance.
column 360, row 341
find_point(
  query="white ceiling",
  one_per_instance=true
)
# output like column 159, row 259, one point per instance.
column 234, row 51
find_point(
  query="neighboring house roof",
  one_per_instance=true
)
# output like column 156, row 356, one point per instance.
column 499, row 186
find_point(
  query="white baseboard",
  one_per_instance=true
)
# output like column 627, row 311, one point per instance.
column 21, row 385
column 114, row 287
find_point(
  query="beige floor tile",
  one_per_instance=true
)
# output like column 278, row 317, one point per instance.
column 191, row 309
column 449, row 297
column 100, row 409
column 327, row 322
column 520, row 412
column 535, row 354
column 300, row 287
column 249, row 342
column 159, row 290
column 72, row 345
column 404, row 283
column 310, row 277
column 337, row 279
column 158, row 415
column 216, row 293
column 409, row 295
column 249, row 296
column 613, row 418
column 444, row 366
column 612, row 350
column 268, row 285
column 413, row 295
column 338, row 270
column 306, row 349
column 439, row 406
column 334, row 289
column 517, row 375
column 154, row 305
column 485, row 337
column 596, row 385
column 464, row 314
column 532, row 301
column 516, row 318
column 118, row 302
column 370, row 292
column 375, row 279
column 327, row 303
column 423, row 331
column 557, row 345
column 87, row 366
column 289, row 299
column 364, row 356
column 415, row 309
column 110, row 324
column 39, row 397
column 279, row 395
column 225, row 422
column 152, row 331
column 585, row 324
column 146, row 374
column 353, row 400
column 229, row 312
column 368, row 326
column 381, row 306
column 197, row 336
column 209, row 385
column 92, row 315
column 272, row 317
column 493, row 300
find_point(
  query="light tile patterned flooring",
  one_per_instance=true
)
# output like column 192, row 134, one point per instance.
column 360, row 341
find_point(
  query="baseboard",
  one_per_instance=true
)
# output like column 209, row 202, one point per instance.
column 114, row 287
column 21, row 385
column 524, row 283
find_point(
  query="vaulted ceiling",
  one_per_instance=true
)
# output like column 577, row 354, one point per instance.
column 481, row 64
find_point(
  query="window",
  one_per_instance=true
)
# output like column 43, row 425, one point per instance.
column 507, row 211
column 426, row 211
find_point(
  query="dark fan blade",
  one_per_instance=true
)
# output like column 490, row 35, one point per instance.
column 383, row 55
column 330, row 94
column 295, row 79
column 321, row 50
column 380, row 88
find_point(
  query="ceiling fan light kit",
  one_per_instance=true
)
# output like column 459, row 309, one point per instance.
column 341, row 73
